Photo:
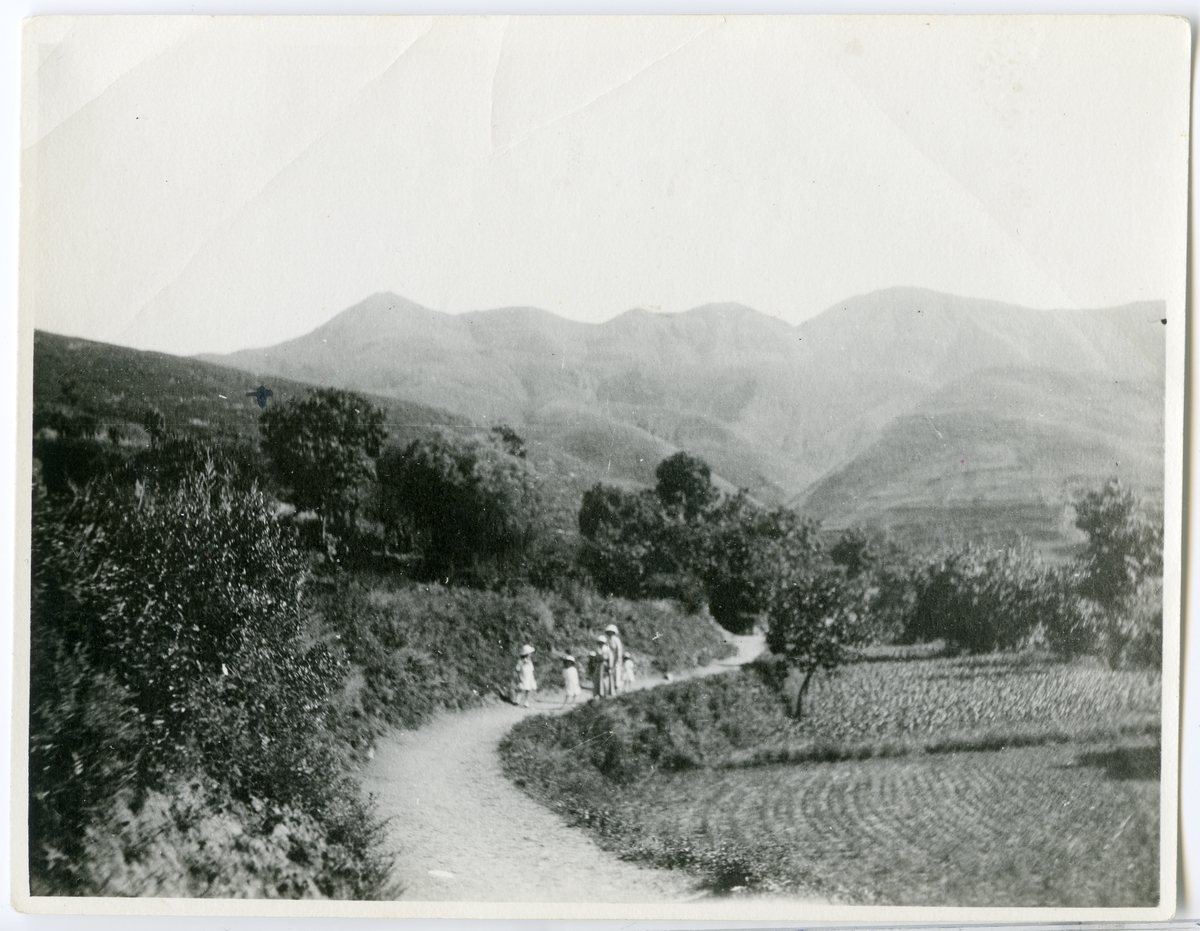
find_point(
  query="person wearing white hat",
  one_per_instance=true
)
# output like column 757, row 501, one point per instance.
column 526, row 682
column 617, row 664
column 570, row 679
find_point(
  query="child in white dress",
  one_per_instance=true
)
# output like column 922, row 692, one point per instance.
column 570, row 680
column 526, row 683
column 627, row 672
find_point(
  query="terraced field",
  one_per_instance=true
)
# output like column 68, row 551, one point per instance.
column 1046, row 826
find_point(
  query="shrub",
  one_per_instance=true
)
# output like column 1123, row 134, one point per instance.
column 193, row 839
column 978, row 600
column 168, row 642
column 684, row 726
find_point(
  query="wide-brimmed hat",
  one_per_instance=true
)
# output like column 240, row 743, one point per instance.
column 602, row 638
column 526, row 650
column 611, row 629
column 568, row 658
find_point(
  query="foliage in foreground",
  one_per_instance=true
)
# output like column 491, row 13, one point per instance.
column 168, row 649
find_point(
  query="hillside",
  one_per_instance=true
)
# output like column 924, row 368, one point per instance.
column 118, row 384
column 209, row 400
column 997, row 456
column 907, row 409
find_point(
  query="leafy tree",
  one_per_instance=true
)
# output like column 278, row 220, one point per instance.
column 1118, row 578
column 685, row 536
column 651, row 543
column 979, row 600
column 323, row 448
column 747, row 549
column 512, row 442
column 460, row 502
column 635, row 548
column 684, row 485
column 814, row 622
column 1124, row 546
column 853, row 552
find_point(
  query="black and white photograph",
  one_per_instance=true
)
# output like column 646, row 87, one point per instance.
column 666, row 467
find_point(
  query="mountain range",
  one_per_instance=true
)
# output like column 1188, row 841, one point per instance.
column 929, row 414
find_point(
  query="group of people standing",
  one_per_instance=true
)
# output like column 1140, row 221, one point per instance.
column 609, row 666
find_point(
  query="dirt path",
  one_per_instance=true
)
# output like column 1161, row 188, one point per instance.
column 467, row 834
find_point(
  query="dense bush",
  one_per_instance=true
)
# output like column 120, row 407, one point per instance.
column 168, row 644
column 683, row 726
column 979, row 600
column 1107, row 602
column 191, row 838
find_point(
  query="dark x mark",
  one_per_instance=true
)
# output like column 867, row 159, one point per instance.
column 260, row 394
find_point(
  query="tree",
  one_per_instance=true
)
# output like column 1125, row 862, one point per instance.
column 981, row 600
column 853, row 552
column 460, row 502
column 685, row 539
column 1124, row 546
column 746, row 550
column 814, row 622
column 322, row 449
column 630, row 547
column 685, row 485
column 1118, row 579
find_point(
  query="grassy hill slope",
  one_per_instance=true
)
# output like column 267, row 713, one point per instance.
column 210, row 401
column 197, row 397
column 997, row 456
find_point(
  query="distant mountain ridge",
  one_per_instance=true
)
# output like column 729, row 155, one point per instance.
column 774, row 408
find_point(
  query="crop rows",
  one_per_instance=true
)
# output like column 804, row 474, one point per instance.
column 929, row 697
column 1034, row 827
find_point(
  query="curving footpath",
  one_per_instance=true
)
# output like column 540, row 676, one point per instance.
column 467, row 834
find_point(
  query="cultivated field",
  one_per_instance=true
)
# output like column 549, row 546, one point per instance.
column 1038, row 826
column 1007, row 697
column 1003, row 779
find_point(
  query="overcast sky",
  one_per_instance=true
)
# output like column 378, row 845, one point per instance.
column 198, row 184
